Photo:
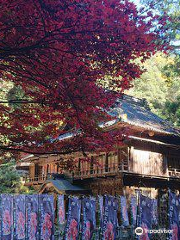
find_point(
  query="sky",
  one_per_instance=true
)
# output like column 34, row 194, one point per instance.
column 137, row 2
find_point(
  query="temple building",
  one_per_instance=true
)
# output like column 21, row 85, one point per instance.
column 149, row 160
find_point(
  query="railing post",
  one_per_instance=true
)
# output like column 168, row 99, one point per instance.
column 122, row 167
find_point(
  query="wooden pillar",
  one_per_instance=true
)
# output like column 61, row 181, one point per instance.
column 106, row 163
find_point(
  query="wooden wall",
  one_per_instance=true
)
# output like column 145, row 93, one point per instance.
column 112, row 186
column 147, row 163
column 32, row 171
column 149, row 192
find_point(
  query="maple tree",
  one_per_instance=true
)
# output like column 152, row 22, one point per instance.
column 56, row 52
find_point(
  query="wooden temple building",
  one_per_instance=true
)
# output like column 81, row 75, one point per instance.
column 149, row 159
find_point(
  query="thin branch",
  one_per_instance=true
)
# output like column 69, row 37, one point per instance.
column 36, row 152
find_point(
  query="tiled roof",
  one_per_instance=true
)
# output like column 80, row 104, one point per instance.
column 63, row 185
column 135, row 112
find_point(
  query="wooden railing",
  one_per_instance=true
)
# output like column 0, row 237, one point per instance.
column 35, row 180
column 98, row 172
column 174, row 173
column 113, row 170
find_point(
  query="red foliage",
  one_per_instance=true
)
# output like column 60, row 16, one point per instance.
column 56, row 50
